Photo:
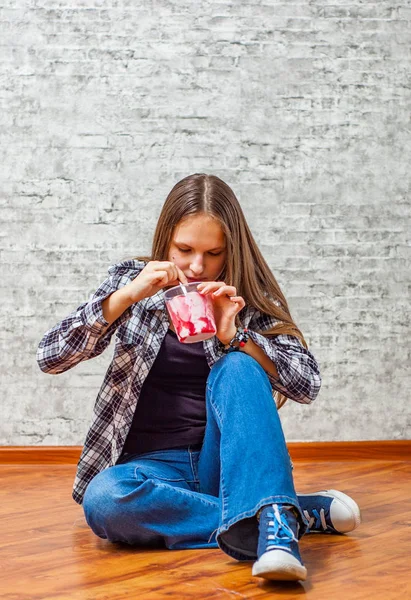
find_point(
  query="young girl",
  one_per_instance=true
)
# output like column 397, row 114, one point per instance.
column 186, row 448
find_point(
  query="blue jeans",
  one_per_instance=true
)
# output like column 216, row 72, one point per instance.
column 203, row 498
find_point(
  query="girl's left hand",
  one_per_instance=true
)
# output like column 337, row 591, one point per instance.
column 226, row 305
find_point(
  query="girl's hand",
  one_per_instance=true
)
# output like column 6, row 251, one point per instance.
column 226, row 305
column 155, row 275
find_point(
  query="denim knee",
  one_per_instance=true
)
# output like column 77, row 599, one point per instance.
column 236, row 363
column 99, row 499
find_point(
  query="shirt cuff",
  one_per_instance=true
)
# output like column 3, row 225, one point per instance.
column 268, row 348
column 92, row 315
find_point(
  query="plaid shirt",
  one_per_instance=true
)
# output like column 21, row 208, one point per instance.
column 140, row 331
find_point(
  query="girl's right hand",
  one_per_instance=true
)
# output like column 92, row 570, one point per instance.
column 155, row 275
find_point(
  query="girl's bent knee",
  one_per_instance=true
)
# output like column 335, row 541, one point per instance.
column 99, row 492
column 237, row 364
column 101, row 504
column 234, row 360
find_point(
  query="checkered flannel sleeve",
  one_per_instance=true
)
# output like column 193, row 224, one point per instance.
column 298, row 371
column 84, row 333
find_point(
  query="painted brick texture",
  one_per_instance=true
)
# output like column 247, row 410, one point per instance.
column 303, row 108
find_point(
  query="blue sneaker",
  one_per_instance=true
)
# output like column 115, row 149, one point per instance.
column 329, row 511
column 278, row 554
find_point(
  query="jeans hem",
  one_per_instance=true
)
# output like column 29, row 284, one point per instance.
column 246, row 554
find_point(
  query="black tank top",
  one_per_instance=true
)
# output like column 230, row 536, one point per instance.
column 171, row 408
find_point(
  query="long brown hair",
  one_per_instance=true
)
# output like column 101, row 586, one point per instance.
column 245, row 267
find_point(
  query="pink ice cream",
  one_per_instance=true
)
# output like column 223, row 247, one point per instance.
column 192, row 315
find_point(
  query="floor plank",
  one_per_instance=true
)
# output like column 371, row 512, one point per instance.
column 47, row 551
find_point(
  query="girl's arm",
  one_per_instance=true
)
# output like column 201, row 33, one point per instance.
column 86, row 333
column 261, row 357
column 255, row 351
column 116, row 304
column 291, row 368
column 297, row 375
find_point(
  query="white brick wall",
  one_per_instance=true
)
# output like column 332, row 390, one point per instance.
column 303, row 108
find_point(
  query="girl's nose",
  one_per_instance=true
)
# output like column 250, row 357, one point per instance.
column 197, row 267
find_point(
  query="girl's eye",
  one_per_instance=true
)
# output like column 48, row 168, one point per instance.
column 212, row 253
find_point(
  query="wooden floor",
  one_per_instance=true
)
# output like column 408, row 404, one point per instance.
column 47, row 550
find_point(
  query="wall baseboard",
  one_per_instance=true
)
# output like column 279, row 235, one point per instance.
column 319, row 451
column 355, row 450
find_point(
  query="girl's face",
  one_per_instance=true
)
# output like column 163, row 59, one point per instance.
column 198, row 248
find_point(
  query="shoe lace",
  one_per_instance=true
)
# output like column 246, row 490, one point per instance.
column 316, row 518
column 278, row 530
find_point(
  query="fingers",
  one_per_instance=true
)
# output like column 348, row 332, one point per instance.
column 219, row 288
column 164, row 275
column 175, row 273
column 171, row 274
column 160, row 277
column 181, row 276
column 226, row 290
column 238, row 300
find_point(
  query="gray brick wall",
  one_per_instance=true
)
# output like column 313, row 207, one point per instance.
column 303, row 108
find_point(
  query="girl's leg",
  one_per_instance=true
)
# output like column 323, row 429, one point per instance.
column 244, row 458
column 153, row 500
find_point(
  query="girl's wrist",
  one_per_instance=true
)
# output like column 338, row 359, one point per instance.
column 238, row 341
column 226, row 338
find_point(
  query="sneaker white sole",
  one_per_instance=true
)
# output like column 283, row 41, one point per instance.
column 279, row 566
column 346, row 524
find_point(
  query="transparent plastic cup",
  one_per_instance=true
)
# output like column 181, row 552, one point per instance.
column 192, row 314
